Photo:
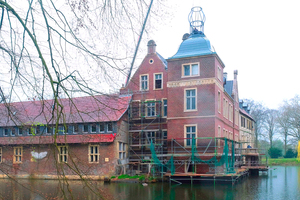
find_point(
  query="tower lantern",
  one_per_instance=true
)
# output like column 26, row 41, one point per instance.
column 197, row 20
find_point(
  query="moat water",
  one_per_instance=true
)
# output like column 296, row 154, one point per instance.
column 280, row 182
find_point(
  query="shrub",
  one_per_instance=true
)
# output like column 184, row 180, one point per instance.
column 112, row 177
column 290, row 154
column 142, row 177
column 275, row 152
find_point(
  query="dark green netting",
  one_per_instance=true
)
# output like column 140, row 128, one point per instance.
column 225, row 160
column 169, row 166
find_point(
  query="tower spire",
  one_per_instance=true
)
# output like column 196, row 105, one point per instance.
column 197, row 20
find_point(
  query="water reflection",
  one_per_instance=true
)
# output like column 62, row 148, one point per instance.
column 278, row 183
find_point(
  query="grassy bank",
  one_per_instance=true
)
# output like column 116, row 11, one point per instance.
column 283, row 161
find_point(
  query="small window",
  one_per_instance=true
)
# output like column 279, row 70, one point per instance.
column 61, row 130
column 190, row 135
column 75, row 128
column 190, row 99
column 144, row 82
column 190, row 70
column 6, row 131
column 17, row 155
column 151, row 137
column 150, row 109
column 165, row 107
column 70, row 129
column 13, row 131
column 109, row 127
column 20, row 131
column 158, row 81
column 62, row 154
column 122, row 150
column 85, row 128
column 93, row 153
column 50, row 130
column 102, row 128
column 94, row 128
column 219, row 101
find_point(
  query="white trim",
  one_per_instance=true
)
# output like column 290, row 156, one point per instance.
column 147, row 82
column 185, row 133
column 162, row 87
column 190, row 110
column 95, row 155
column 190, row 64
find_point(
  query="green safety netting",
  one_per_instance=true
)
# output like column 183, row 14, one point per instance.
column 169, row 166
column 225, row 160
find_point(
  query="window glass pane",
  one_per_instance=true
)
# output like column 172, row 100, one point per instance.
column 93, row 128
column 85, row 128
column 188, row 104
column 109, row 127
column 101, row 127
column 193, row 103
column 195, row 69
column 186, row 70
column 165, row 102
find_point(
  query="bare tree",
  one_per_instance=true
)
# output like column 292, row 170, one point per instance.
column 270, row 126
column 63, row 49
column 257, row 111
column 284, row 127
column 292, row 109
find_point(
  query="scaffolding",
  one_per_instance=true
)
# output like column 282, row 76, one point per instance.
column 151, row 152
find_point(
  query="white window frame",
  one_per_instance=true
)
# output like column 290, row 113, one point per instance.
column 88, row 128
column 8, row 132
column 18, row 154
column 63, row 154
column 93, row 156
column 142, row 81
column 190, row 70
column 154, row 81
column 219, row 101
column 186, row 133
column 112, row 127
column 95, row 125
column 122, row 150
column 163, row 107
column 219, row 73
column 151, row 107
column 219, row 135
column 185, row 100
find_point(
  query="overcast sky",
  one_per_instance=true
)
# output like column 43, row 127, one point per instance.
column 261, row 39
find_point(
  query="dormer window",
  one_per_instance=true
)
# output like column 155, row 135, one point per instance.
column 190, row 70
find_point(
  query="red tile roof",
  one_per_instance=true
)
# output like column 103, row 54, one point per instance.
column 100, row 108
column 61, row 139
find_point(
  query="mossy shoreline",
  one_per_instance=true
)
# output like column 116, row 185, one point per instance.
column 283, row 162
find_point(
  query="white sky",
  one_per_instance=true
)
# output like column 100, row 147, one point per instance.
column 261, row 39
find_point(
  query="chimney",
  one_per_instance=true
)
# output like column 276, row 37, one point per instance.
column 151, row 47
column 235, row 74
column 225, row 75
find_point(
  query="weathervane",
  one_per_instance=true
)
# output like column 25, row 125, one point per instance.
column 197, row 20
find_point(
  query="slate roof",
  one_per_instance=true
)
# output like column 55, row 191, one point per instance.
column 163, row 60
column 228, row 87
column 195, row 45
column 100, row 108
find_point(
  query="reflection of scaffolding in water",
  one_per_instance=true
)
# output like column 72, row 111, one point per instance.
column 221, row 160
